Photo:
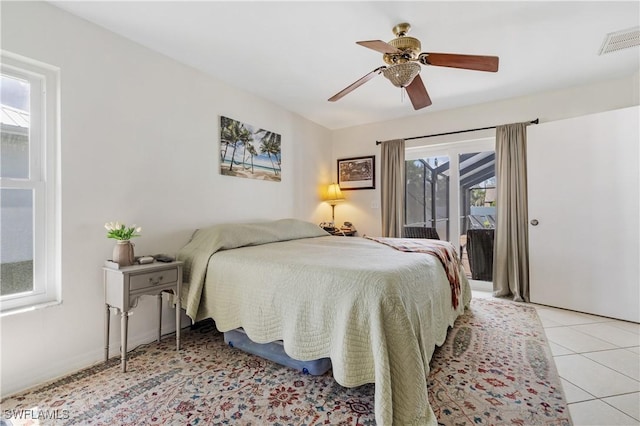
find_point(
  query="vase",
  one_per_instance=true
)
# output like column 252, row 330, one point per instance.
column 123, row 253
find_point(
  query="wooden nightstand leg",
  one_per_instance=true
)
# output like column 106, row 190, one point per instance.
column 124, row 325
column 106, row 334
column 159, row 316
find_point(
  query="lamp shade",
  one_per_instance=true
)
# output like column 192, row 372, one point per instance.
column 334, row 194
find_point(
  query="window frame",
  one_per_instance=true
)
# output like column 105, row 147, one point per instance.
column 43, row 181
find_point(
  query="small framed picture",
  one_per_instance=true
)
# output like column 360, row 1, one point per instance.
column 357, row 173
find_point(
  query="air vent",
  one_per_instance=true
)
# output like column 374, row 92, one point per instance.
column 621, row 40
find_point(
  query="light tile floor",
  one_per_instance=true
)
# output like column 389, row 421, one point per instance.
column 598, row 360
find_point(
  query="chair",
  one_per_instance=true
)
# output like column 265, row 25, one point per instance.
column 421, row 232
column 480, row 253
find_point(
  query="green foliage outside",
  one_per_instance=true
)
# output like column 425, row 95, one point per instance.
column 16, row 277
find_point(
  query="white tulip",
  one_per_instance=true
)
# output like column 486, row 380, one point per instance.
column 118, row 230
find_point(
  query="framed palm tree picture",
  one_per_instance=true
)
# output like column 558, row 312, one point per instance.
column 249, row 152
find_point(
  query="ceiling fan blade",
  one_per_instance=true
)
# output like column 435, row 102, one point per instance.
column 357, row 84
column 418, row 93
column 469, row 62
column 379, row 46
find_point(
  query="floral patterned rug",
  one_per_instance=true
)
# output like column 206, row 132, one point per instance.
column 495, row 368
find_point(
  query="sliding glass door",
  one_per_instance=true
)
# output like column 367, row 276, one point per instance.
column 452, row 188
column 427, row 194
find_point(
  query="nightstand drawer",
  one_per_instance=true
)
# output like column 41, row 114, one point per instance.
column 152, row 279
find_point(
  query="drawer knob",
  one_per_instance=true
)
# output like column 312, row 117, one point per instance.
column 156, row 282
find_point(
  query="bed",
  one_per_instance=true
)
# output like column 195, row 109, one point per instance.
column 375, row 309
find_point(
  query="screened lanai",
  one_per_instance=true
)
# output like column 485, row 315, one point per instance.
column 427, row 203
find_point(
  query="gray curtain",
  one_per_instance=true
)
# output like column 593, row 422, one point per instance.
column 392, row 187
column 511, row 246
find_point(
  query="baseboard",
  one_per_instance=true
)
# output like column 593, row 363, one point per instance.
column 477, row 285
column 56, row 370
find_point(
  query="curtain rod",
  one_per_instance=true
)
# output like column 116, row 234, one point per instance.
column 536, row 121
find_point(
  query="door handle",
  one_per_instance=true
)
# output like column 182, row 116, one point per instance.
column 534, row 222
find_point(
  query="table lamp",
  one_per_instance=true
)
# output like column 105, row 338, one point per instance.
column 333, row 197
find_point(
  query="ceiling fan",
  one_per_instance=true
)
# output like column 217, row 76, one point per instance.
column 403, row 58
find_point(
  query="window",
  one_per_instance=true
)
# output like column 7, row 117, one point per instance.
column 29, row 272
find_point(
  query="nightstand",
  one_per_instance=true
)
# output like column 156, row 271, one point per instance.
column 344, row 232
column 122, row 288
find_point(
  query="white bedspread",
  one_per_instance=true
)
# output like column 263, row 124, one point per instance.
column 378, row 313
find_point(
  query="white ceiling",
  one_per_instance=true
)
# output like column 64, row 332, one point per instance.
column 297, row 54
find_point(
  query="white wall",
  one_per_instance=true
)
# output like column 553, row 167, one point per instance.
column 362, row 206
column 139, row 145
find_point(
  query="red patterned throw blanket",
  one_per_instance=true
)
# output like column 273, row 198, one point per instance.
column 443, row 250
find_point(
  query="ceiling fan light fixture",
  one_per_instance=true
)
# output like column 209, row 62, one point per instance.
column 404, row 59
column 401, row 75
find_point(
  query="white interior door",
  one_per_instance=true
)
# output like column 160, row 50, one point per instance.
column 583, row 186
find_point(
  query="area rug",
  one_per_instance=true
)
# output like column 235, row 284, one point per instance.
column 494, row 369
